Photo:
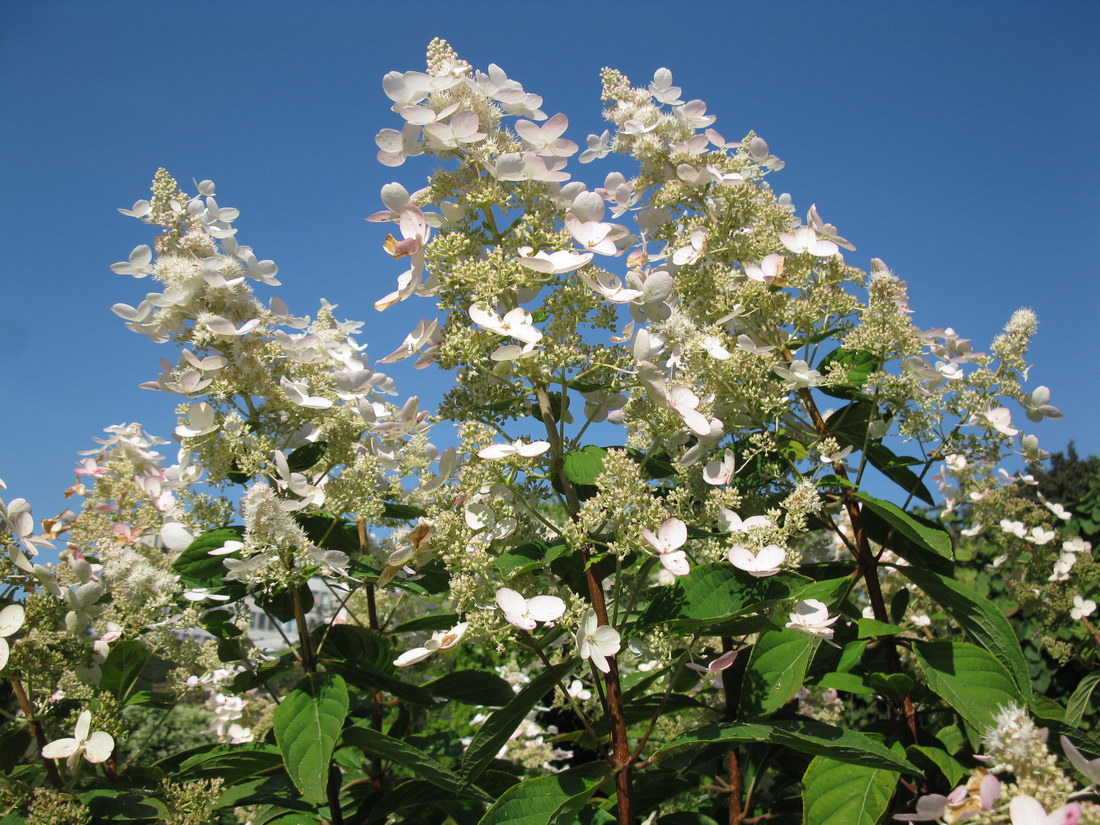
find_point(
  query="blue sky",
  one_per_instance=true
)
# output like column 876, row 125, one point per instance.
column 955, row 140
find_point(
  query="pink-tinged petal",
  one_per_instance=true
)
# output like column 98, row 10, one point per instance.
column 673, row 534
column 989, row 791
column 651, row 539
column 723, row 661
column 676, row 563
column 771, row 556
column 742, row 558
column 98, row 747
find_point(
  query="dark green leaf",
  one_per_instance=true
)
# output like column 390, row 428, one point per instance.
column 353, row 644
column 952, row 769
column 857, row 364
column 896, row 468
column 281, row 604
column 15, row 737
column 979, row 617
column 330, row 533
column 502, row 723
column 916, row 540
column 197, row 568
column 376, row 743
column 306, row 456
column 307, row 725
column 111, row 805
column 837, row 793
column 543, row 801
column 804, row 735
column 439, row 621
column 401, row 512
column 712, row 594
column 473, row 687
column 233, row 763
column 123, row 666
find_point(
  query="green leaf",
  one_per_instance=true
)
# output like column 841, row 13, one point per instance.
column 584, row 465
column 365, row 675
column 712, row 594
column 156, row 700
column 123, row 666
column 502, row 723
column 1079, row 702
column 848, row 682
column 197, row 568
column 969, row 679
column 952, row 769
column 233, row 763
column 858, row 364
column 439, row 621
column 15, row 738
column 413, row 793
column 543, row 801
column 307, row 724
column 473, row 687
column 915, row 540
column 280, row 604
column 351, row 643
column 869, row 628
column 851, row 656
column 837, row 793
column 896, row 468
column 776, row 671
column 306, row 456
column 401, row 512
column 849, row 424
column 115, row 805
column 377, row 743
column 803, row 735
column 982, row 620
column 330, row 533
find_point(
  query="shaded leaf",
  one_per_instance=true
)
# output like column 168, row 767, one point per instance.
column 502, row 723
column 804, row 735
column 542, row 801
column 472, row 687
column 123, row 666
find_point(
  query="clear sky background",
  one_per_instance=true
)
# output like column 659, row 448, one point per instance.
column 955, row 140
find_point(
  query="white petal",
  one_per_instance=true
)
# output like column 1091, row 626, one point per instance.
column 60, row 748
column 410, row 657
column 99, row 746
column 83, row 725
column 176, row 537
column 545, row 608
column 11, row 619
column 510, row 601
column 494, row 451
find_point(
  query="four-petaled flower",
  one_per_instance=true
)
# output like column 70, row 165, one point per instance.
column 765, row 563
column 670, row 537
column 597, row 642
column 95, row 748
column 812, row 616
column 527, row 613
column 516, row 323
